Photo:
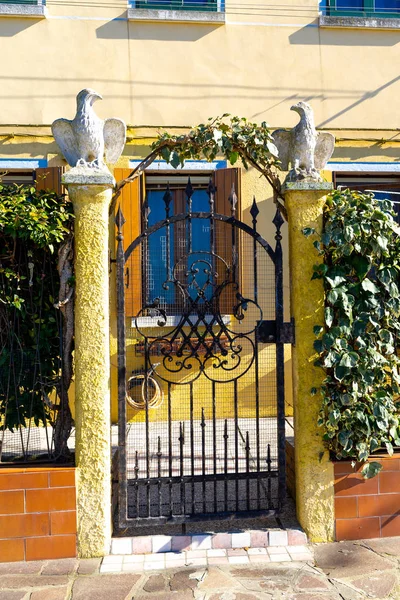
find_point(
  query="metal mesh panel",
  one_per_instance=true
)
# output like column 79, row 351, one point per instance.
column 29, row 383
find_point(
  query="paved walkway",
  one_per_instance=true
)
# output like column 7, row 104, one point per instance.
column 340, row 571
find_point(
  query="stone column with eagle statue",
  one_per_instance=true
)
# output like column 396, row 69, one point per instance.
column 87, row 143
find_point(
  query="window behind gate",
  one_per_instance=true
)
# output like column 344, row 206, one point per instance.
column 143, row 206
column 383, row 185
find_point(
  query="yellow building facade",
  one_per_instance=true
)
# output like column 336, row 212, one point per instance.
column 167, row 67
column 172, row 69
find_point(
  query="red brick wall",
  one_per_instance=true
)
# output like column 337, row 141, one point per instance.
column 367, row 508
column 37, row 513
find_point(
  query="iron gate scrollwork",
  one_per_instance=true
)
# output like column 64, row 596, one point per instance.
column 205, row 437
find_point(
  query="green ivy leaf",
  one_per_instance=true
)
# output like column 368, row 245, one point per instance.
column 174, row 159
column 389, row 448
column 233, row 157
column 318, row 346
column 361, row 265
column 329, row 315
column 334, row 279
column 382, row 242
column 349, row 360
column 385, row 336
column 370, row 469
column 373, row 445
column 328, row 340
column 369, row 286
column 341, row 372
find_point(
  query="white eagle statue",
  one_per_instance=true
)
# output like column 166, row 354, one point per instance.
column 303, row 147
column 87, row 139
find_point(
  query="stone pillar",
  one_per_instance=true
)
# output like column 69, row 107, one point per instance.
column 90, row 191
column 314, row 472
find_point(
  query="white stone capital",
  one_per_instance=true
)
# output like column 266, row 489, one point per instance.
column 313, row 186
column 84, row 175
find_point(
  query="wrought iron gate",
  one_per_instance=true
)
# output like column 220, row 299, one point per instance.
column 200, row 366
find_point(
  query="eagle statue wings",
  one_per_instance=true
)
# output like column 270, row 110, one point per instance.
column 303, row 147
column 87, row 139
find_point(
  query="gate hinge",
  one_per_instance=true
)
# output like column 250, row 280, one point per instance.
column 268, row 332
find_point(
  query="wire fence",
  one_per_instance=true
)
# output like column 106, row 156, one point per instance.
column 31, row 359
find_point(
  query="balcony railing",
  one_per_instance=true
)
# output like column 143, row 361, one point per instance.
column 21, row 2
column 190, row 5
column 382, row 9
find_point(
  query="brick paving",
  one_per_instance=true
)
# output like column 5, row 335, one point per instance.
column 368, row 569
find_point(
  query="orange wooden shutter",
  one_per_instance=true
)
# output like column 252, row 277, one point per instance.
column 49, row 178
column 223, row 181
column 130, row 203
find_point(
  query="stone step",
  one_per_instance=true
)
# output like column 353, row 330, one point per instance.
column 155, row 544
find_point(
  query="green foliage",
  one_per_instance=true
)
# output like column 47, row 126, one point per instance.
column 360, row 248
column 228, row 136
column 32, row 226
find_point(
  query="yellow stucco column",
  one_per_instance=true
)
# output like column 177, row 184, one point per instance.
column 90, row 192
column 314, row 472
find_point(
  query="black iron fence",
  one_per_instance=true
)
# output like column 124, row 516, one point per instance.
column 32, row 394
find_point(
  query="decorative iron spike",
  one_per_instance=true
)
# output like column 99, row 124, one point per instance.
column 181, row 437
column 119, row 219
column 136, row 468
column 189, row 189
column 159, row 453
column 211, row 189
column 278, row 220
column 225, row 436
column 146, row 210
column 167, row 200
column 233, row 200
column 254, row 211
column 268, row 459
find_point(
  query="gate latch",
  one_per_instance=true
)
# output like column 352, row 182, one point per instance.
column 268, row 332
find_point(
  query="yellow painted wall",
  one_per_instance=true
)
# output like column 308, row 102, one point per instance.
column 263, row 59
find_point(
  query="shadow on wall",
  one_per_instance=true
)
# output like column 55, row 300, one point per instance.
column 313, row 35
column 120, row 28
column 366, row 96
column 10, row 27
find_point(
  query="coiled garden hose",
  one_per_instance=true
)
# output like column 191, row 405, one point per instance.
column 154, row 402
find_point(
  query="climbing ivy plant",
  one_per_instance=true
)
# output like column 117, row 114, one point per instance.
column 360, row 248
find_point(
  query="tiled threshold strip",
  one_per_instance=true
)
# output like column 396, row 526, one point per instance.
column 158, row 552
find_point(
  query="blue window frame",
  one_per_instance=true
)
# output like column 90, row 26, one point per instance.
column 361, row 8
